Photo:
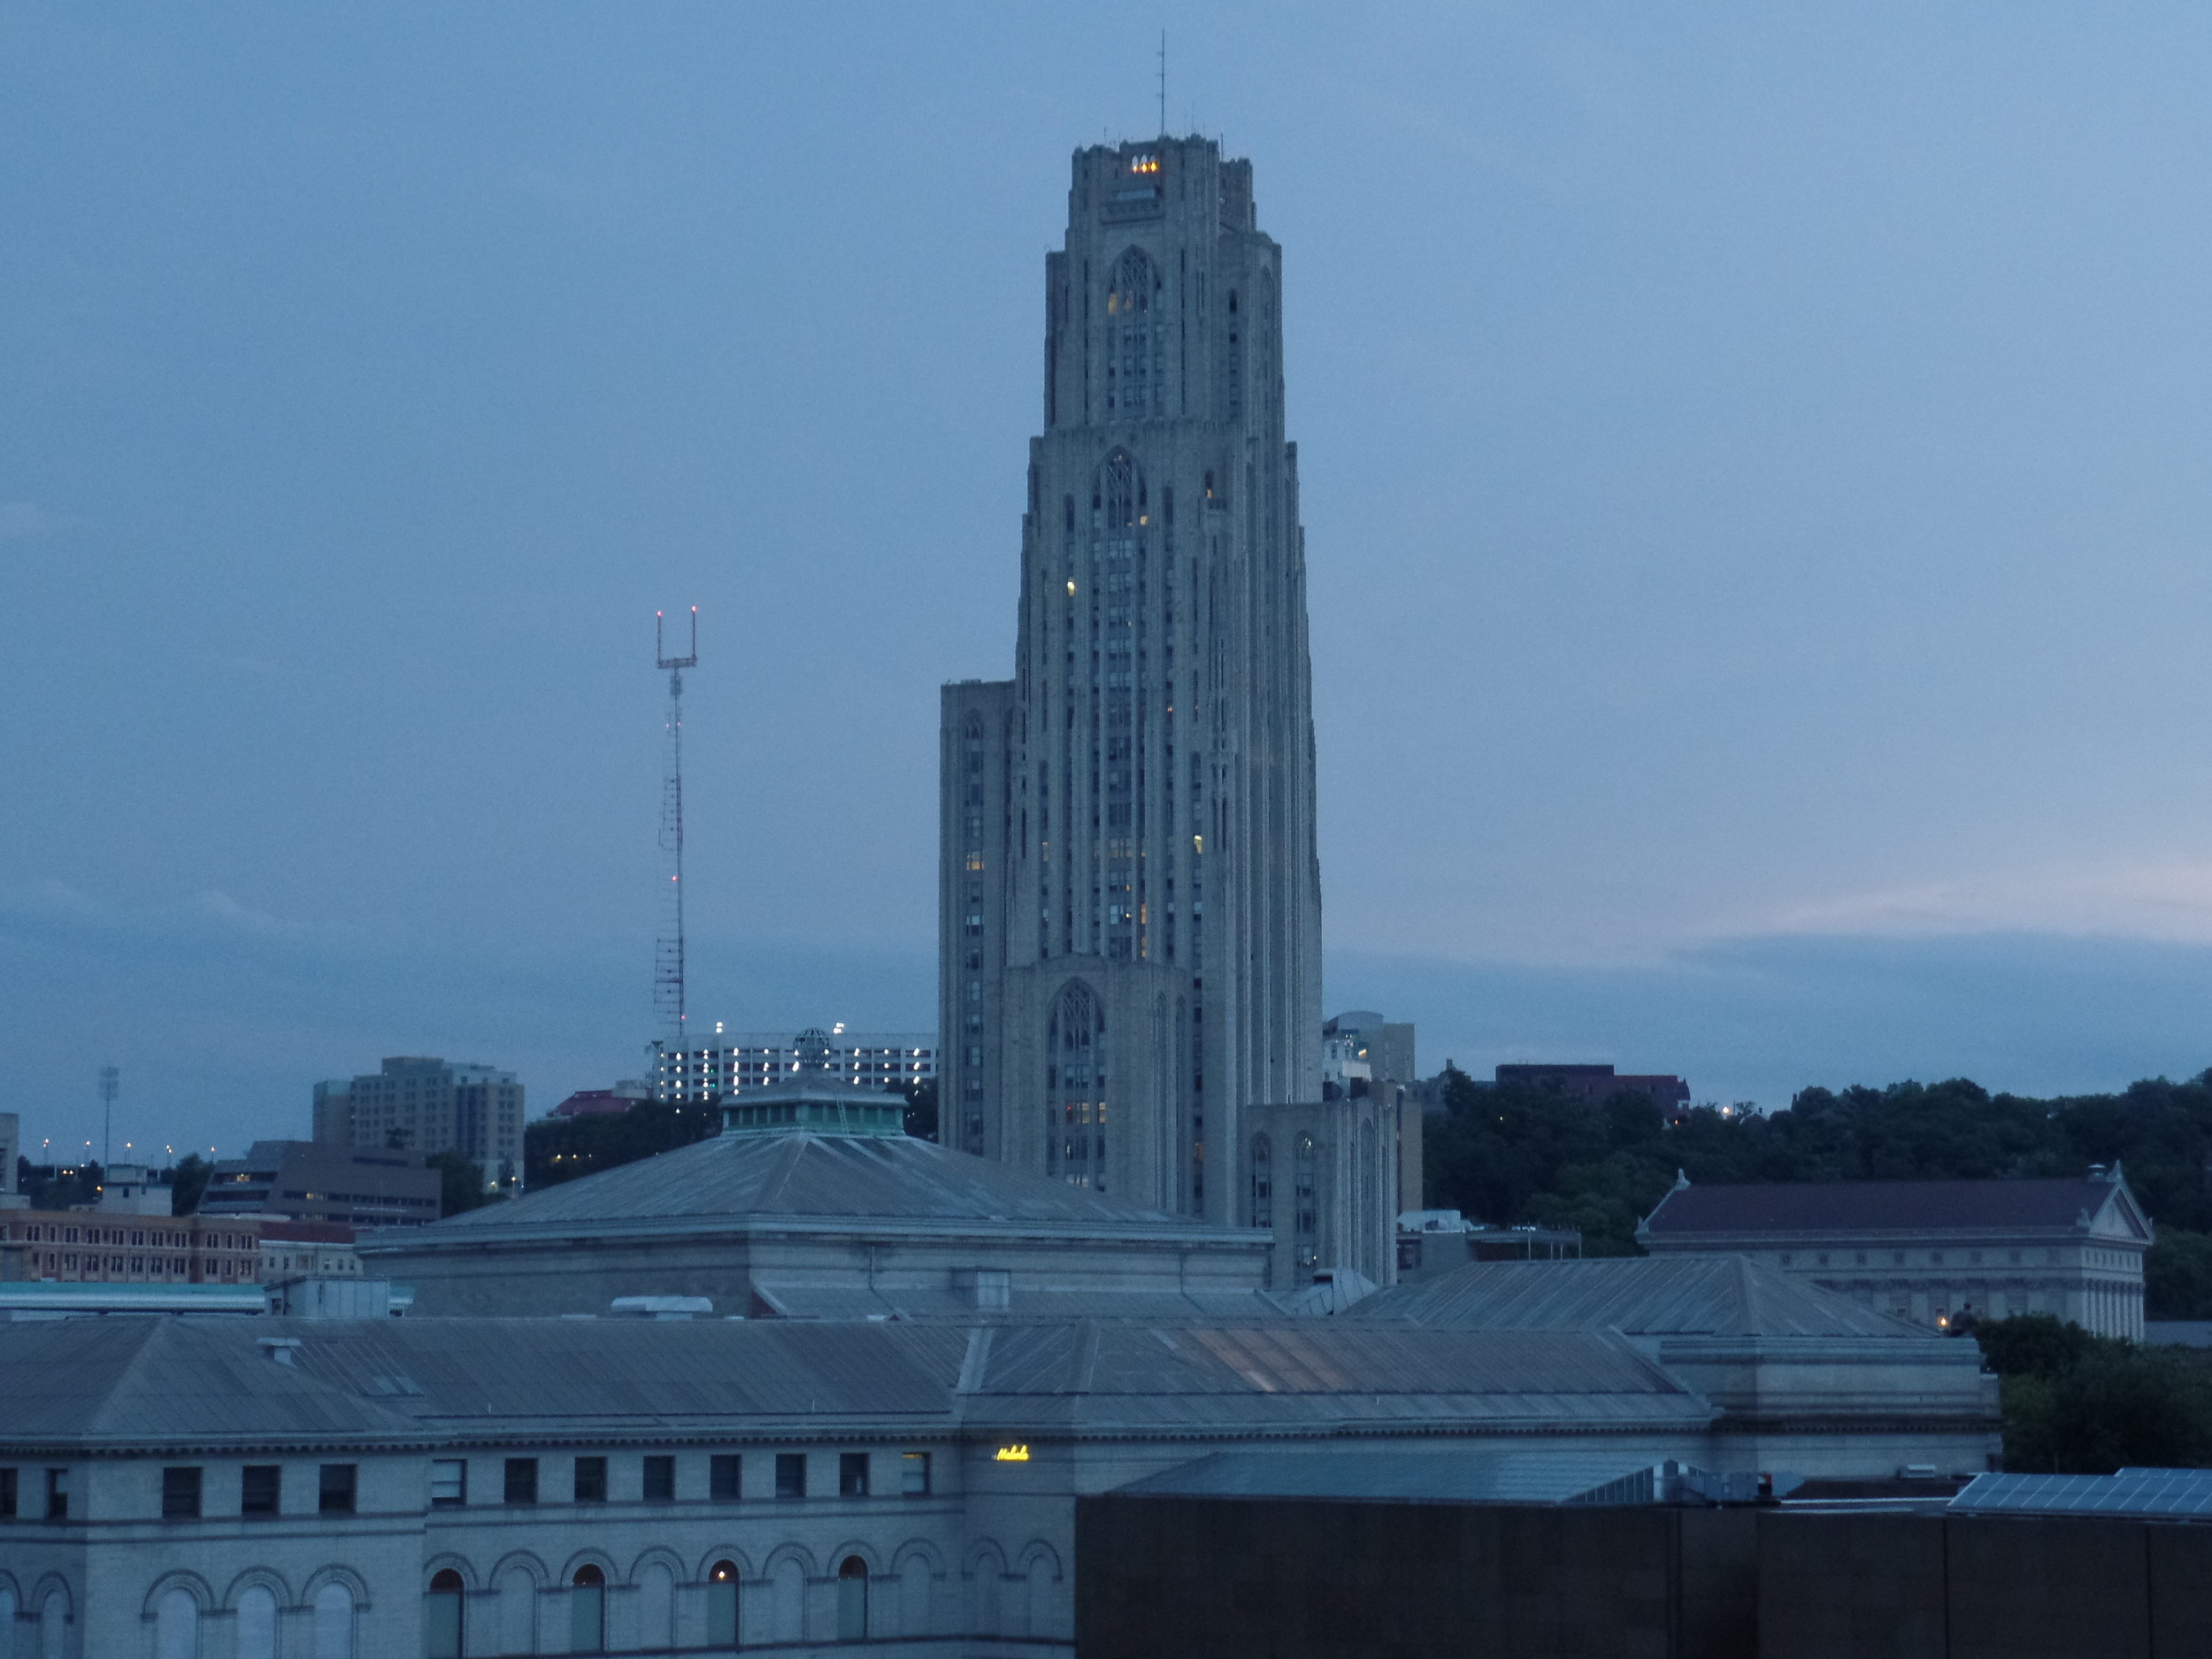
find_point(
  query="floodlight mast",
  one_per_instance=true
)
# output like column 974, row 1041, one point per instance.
column 668, row 955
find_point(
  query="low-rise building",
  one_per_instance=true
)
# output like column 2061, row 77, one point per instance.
column 92, row 1247
column 315, row 1180
column 379, row 1486
column 1932, row 1251
column 314, row 1250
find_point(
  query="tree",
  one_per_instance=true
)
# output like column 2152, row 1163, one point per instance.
column 187, row 1181
column 2078, row 1404
column 2177, row 1275
column 557, row 1150
column 921, row 1109
column 460, row 1183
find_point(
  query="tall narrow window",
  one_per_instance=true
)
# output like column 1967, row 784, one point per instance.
column 726, row 1477
column 522, row 1480
column 442, row 1616
column 852, row 1600
column 1075, row 1089
column 722, row 1605
column 660, row 1479
column 591, row 1480
column 1135, row 360
column 1262, row 1183
column 1304, row 1174
column 588, row 1610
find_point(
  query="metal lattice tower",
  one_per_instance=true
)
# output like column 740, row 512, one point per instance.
column 668, row 951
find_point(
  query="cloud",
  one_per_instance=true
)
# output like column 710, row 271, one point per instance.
column 20, row 519
column 2168, row 900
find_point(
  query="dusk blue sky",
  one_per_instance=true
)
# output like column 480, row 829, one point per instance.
column 1757, row 471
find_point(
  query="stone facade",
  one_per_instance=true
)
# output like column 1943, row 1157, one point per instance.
column 1931, row 1251
column 1131, row 906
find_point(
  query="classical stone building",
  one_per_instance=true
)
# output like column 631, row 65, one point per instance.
column 815, row 1203
column 1131, row 898
column 261, row 1489
column 1929, row 1251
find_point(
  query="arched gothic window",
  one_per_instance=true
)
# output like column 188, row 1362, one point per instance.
column 852, row 1600
column 443, row 1616
column 1263, row 1182
column 1136, row 366
column 1075, row 1087
column 722, row 1605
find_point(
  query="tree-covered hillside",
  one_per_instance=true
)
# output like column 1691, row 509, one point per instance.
column 1506, row 1155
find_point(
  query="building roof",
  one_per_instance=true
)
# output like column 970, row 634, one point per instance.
column 1663, row 1295
column 1905, row 1207
column 2179, row 1494
column 140, row 1381
column 1423, row 1476
column 169, row 1382
column 1331, row 1374
column 798, row 1176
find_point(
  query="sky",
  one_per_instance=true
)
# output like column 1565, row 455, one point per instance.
column 1756, row 461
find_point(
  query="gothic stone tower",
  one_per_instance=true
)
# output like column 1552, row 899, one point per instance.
column 1130, row 895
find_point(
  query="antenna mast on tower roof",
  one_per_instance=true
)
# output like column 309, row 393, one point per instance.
column 1163, row 83
column 668, row 952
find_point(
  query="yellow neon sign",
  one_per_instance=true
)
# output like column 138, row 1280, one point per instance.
column 1010, row 1454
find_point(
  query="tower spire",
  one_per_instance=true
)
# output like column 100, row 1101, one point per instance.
column 668, row 955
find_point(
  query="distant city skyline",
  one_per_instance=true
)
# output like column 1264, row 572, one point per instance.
column 1756, row 536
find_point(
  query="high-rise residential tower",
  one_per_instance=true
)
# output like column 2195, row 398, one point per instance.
column 1131, row 898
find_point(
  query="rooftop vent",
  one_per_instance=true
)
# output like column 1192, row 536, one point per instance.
column 660, row 1307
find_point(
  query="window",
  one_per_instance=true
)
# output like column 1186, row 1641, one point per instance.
column 260, row 1485
column 1075, row 1088
column 334, row 1618
column 660, row 1480
column 726, row 1477
column 722, row 1605
column 522, row 1480
column 914, row 1474
column 1306, row 1198
column 255, row 1623
column 588, row 1610
column 7, row 1494
column 852, row 1600
column 442, row 1618
column 852, row 1475
column 791, row 1474
column 177, row 1625
column 591, row 1480
column 57, row 1494
column 448, row 1482
column 334, row 1492
column 180, row 1493
column 1263, row 1182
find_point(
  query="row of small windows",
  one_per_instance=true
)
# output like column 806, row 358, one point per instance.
column 184, row 1486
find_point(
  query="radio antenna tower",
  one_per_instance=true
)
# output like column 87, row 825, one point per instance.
column 110, row 1086
column 668, row 951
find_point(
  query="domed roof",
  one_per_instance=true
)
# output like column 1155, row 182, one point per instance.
column 798, row 1175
